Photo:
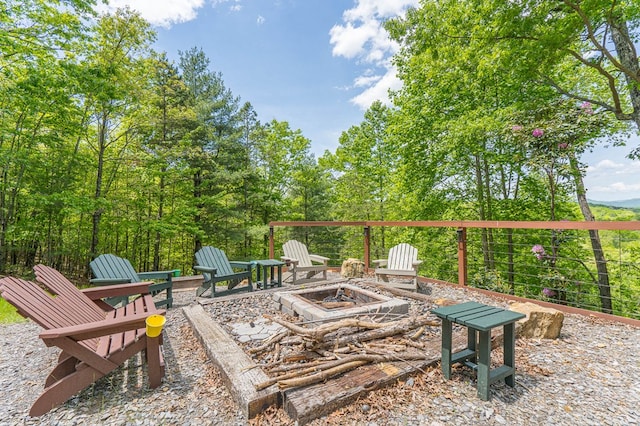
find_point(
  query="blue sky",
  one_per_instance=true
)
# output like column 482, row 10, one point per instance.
column 318, row 64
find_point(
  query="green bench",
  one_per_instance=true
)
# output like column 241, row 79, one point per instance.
column 479, row 320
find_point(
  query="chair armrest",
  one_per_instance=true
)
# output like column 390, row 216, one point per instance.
column 155, row 275
column 239, row 264
column 99, row 328
column 380, row 262
column 318, row 258
column 206, row 269
column 417, row 262
column 95, row 293
column 289, row 260
column 108, row 281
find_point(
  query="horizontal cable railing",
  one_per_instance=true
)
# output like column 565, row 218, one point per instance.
column 588, row 265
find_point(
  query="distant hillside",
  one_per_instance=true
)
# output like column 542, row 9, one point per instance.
column 630, row 204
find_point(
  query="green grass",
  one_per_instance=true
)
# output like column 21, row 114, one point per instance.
column 8, row 313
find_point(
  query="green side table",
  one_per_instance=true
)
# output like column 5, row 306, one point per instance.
column 263, row 278
column 479, row 320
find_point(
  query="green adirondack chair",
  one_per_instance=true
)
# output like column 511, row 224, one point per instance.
column 216, row 268
column 111, row 269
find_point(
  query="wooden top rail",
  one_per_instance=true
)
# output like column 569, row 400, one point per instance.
column 586, row 225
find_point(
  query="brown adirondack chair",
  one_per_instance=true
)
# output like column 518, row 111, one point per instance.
column 94, row 338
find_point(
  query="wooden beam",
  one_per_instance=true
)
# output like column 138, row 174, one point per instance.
column 311, row 402
column 239, row 373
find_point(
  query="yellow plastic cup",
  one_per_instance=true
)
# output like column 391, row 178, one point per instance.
column 154, row 325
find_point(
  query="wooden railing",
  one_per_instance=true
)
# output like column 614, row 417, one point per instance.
column 462, row 228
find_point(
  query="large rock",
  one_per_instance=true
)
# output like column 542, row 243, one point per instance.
column 352, row 268
column 540, row 322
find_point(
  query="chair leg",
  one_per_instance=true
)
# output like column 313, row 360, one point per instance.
column 154, row 362
column 170, row 297
column 64, row 368
column 202, row 289
column 63, row 389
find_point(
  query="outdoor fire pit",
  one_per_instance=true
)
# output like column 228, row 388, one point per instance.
column 337, row 301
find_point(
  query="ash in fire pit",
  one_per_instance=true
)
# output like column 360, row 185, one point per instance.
column 340, row 300
column 337, row 301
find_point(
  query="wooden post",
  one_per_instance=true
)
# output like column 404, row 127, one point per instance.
column 271, row 248
column 462, row 256
column 367, row 248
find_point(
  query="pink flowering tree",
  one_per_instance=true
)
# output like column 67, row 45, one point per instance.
column 555, row 137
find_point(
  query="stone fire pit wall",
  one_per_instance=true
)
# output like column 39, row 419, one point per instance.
column 300, row 302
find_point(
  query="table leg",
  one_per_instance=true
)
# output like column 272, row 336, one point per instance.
column 265, row 277
column 447, row 331
column 484, row 364
column 258, row 267
column 472, row 339
column 510, row 352
column 279, row 275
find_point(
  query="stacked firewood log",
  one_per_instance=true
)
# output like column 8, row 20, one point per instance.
column 303, row 354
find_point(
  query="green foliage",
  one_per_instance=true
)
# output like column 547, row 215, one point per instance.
column 9, row 314
column 107, row 146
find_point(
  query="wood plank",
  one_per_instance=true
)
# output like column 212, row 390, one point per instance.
column 309, row 403
column 187, row 282
column 239, row 372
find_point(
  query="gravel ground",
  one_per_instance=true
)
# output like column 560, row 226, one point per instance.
column 589, row 376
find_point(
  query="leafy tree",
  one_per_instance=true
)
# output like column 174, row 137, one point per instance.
column 364, row 165
column 558, row 45
column 467, row 72
column 114, row 69
column 169, row 117
column 36, row 116
column 216, row 154
column 555, row 138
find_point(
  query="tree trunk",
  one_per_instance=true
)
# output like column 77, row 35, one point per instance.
column 628, row 57
column 481, row 213
column 598, row 254
column 197, row 195
column 156, row 245
column 97, row 214
column 489, row 213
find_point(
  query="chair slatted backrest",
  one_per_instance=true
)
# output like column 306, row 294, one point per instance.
column 296, row 250
column 48, row 309
column 56, row 283
column 112, row 266
column 402, row 256
column 213, row 257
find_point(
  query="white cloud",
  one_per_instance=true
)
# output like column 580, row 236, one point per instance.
column 260, row 20
column 379, row 91
column 606, row 166
column 609, row 169
column 616, row 187
column 366, row 81
column 362, row 37
column 611, row 175
column 165, row 13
